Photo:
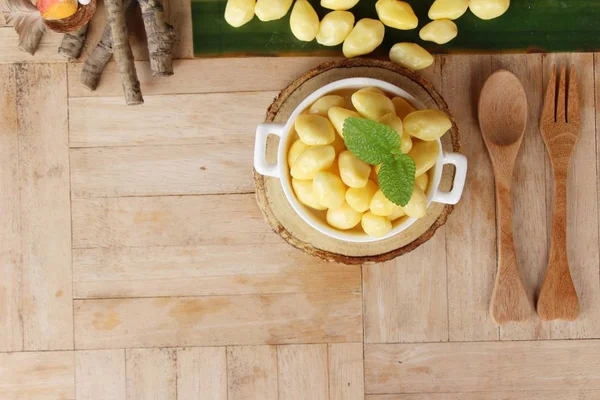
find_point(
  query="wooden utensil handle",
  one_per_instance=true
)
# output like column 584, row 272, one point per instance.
column 504, row 218
column 559, row 218
column 558, row 297
column 509, row 299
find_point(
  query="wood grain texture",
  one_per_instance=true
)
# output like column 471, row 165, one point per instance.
column 100, row 375
column 502, row 113
column 252, row 373
column 582, row 208
column 169, row 221
column 258, row 290
column 202, row 373
column 2, row 19
column 560, row 126
column 178, row 13
column 205, row 270
column 303, row 372
column 529, row 186
column 37, row 376
column 45, row 210
column 210, row 321
column 207, row 119
column 151, row 374
column 218, row 76
column 346, row 375
column 405, row 300
column 11, row 326
column 537, row 395
column 470, row 233
column 176, row 170
column 469, row 367
column 46, row 52
column 596, row 100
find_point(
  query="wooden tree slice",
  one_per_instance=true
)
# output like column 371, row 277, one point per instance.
column 280, row 214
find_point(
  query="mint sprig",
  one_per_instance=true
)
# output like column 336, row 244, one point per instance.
column 377, row 143
column 397, row 179
column 370, row 141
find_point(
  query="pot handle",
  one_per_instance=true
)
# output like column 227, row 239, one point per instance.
column 453, row 196
column 260, row 149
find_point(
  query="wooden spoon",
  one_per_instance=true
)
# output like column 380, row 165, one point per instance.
column 502, row 119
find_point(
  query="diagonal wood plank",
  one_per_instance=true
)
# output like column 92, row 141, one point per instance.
column 484, row 366
column 529, row 191
column 582, row 207
column 218, row 76
column 202, row 373
column 470, row 232
column 45, row 206
column 202, row 119
column 151, row 374
column 169, row 221
column 405, row 300
column 100, row 375
column 206, row 270
column 303, row 372
column 537, row 395
column 11, row 326
column 48, row 375
column 218, row 320
column 346, row 375
column 252, row 372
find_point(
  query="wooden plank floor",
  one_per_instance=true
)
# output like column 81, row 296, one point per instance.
column 135, row 264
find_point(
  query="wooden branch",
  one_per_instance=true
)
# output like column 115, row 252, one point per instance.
column 160, row 37
column 72, row 43
column 96, row 62
column 101, row 55
column 115, row 13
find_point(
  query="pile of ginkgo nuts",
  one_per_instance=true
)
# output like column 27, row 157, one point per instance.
column 367, row 34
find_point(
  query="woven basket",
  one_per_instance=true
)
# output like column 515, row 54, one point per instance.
column 82, row 16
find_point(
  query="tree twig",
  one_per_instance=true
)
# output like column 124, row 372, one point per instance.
column 160, row 37
column 115, row 15
column 101, row 55
column 72, row 43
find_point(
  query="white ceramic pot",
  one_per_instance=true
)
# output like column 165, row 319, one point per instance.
column 280, row 169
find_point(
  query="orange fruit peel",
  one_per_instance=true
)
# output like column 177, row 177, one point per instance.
column 57, row 9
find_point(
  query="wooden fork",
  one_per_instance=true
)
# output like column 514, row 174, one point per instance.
column 560, row 125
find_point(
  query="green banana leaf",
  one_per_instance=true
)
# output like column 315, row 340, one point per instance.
column 528, row 26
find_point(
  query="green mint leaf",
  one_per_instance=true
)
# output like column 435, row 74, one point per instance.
column 397, row 152
column 370, row 141
column 397, row 179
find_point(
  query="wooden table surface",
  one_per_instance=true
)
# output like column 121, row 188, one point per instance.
column 135, row 264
